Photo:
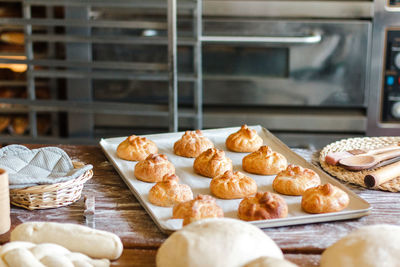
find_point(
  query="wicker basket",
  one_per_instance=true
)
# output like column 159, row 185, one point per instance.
column 50, row 196
column 357, row 177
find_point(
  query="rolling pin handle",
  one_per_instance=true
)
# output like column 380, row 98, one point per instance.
column 369, row 180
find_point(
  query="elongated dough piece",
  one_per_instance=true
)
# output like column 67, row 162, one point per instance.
column 10, row 246
column 57, row 261
column 42, row 250
column 21, row 257
column 13, row 245
column 78, row 238
column 27, row 254
column 81, row 260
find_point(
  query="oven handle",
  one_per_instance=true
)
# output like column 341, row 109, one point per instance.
column 311, row 39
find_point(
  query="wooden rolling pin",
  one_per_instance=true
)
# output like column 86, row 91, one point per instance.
column 382, row 175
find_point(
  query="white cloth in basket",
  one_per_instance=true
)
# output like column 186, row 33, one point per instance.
column 47, row 165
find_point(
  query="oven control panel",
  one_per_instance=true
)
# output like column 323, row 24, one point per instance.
column 391, row 75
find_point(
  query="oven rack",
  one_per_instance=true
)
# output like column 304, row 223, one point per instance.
column 78, row 69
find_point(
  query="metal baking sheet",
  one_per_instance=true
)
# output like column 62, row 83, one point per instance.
column 200, row 185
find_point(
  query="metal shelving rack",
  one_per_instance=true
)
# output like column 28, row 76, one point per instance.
column 79, row 69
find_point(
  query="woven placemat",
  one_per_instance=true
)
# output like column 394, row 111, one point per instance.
column 357, row 177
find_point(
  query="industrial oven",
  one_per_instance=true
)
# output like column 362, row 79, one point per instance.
column 299, row 68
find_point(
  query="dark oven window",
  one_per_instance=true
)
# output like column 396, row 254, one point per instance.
column 245, row 60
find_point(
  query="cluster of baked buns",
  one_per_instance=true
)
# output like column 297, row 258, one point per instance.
column 226, row 183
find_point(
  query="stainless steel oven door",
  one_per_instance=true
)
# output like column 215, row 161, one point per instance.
column 318, row 63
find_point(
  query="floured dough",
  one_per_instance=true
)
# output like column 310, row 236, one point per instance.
column 368, row 246
column 26, row 254
column 216, row 243
column 77, row 238
column 270, row 262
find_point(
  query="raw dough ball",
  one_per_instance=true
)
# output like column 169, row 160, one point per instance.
column 369, row 246
column 216, row 243
column 270, row 262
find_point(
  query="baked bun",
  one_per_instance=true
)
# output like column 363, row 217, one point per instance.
column 212, row 162
column 324, row 198
column 203, row 206
column 168, row 192
column 192, row 144
column 264, row 161
column 262, row 206
column 136, row 148
column 153, row 168
column 231, row 185
column 4, row 122
column 244, row 140
column 295, row 180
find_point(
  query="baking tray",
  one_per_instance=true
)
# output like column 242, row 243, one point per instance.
column 200, row 185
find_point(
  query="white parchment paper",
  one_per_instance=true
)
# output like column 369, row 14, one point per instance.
column 200, row 184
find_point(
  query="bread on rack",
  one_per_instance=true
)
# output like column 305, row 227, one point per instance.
column 192, row 144
column 264, row 161
column 20, row 124
column 6, row 93
column 244, row 140
column 203, row 206
column 231, row 185
column 169, row 192
column 295, row 180
column 262, row 206
column 212, row 162
column 153, row 168
column 324, row 198
column 4, row 122
column 135, row 148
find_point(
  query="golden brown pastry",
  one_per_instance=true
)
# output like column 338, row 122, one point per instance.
column 244, row 140
column 192, row 144
column 20, row 124
column 264, row 161
column 136, row 148
column 295, row 180
column 202, row 207
column 324, row 198
column 212, row 162
column 168, row 192
column 262, row 206
column 153, row 168
column 4, row 122
column 6, row 93
column 230, row 185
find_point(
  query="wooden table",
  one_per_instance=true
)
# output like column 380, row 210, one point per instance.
column 119, row 212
